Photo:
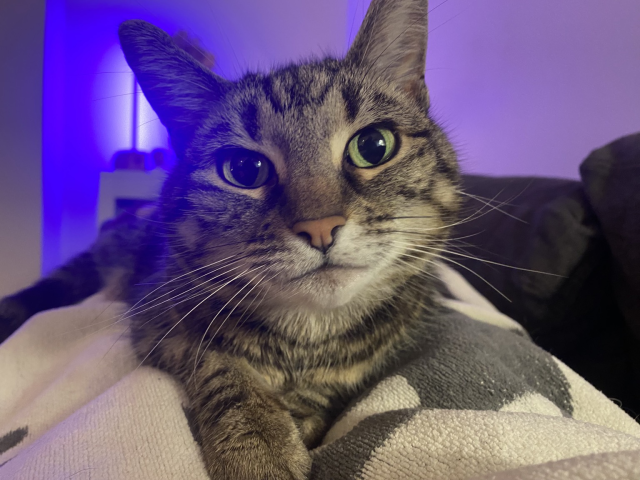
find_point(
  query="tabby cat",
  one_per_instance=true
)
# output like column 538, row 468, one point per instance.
column 283, row 242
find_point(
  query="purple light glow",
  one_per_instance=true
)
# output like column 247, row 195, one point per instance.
column 151, row 133
column 112, row 111
column 52, row 133
column 87, row 111
column 111, row 107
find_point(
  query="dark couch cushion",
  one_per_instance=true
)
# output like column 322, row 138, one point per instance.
column 611, row 178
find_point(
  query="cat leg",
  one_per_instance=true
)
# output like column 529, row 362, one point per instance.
column 312, row 410
column 76, row 280
column 245, row 431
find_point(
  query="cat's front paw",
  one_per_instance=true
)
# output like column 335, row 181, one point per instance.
column 255, row 445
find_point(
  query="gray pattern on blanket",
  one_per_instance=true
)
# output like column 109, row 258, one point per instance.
column 458, row 364
column 470, row 365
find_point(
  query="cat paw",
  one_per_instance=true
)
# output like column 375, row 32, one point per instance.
column 269, row 449
column 259, row 464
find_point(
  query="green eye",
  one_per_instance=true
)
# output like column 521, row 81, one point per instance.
column 244, row 168
column 371, row 147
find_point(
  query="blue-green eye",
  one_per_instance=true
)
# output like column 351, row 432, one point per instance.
column 244, row 168
column 371, row 147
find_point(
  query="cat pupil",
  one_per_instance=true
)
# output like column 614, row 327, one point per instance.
column 245, row 170
column 372, row 146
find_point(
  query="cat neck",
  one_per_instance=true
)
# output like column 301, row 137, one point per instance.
column 328, row 346
column 397, row 310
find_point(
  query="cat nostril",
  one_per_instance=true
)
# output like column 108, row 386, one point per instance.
column 319, row 233
column 306, row 236
column 334, row 232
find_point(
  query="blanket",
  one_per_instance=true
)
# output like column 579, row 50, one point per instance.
column 475, row 400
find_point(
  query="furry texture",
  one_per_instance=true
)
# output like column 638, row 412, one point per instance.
column 269, row 336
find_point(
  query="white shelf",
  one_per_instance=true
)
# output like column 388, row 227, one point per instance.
column 127, row 184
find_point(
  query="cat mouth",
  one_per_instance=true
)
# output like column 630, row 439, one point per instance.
column 327, row 286
column 331, row 270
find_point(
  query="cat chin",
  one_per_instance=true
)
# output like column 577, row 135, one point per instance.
column 327, row 288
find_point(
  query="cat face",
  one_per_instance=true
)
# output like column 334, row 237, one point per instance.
column 315, row 180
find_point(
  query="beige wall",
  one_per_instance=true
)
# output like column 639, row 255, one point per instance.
column 21, row 38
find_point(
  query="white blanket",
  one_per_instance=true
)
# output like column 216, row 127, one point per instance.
column 480, row 401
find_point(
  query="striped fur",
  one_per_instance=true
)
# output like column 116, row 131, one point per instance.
column 268, row 348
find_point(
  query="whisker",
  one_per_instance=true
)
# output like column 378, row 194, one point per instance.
column 483, row 260
column 228, row 316
column 136, row 310
column 438, row 6
column 191, row 297
column 216, row 316
column 455, row 263
column 177, row 278
column 478, row 199
column 116, row 96
column 127, row 315
column 477, row 214
column 246, row 310
column 445, row 22
column 186, row 315
column 238, row 304
column 444, row 240
column 182, row 301
column 266, row 289
column 418, row 269
column 149, row 121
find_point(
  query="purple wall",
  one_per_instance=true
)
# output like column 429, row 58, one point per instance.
column 531, row 87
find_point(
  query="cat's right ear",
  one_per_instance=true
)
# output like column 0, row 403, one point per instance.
column 392, row 43
column 180, row 89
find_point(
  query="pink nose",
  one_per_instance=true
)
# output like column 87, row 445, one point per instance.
column 320, row 233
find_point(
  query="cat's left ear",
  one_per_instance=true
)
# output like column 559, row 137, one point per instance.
column 179, row 88
column 392, row 42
